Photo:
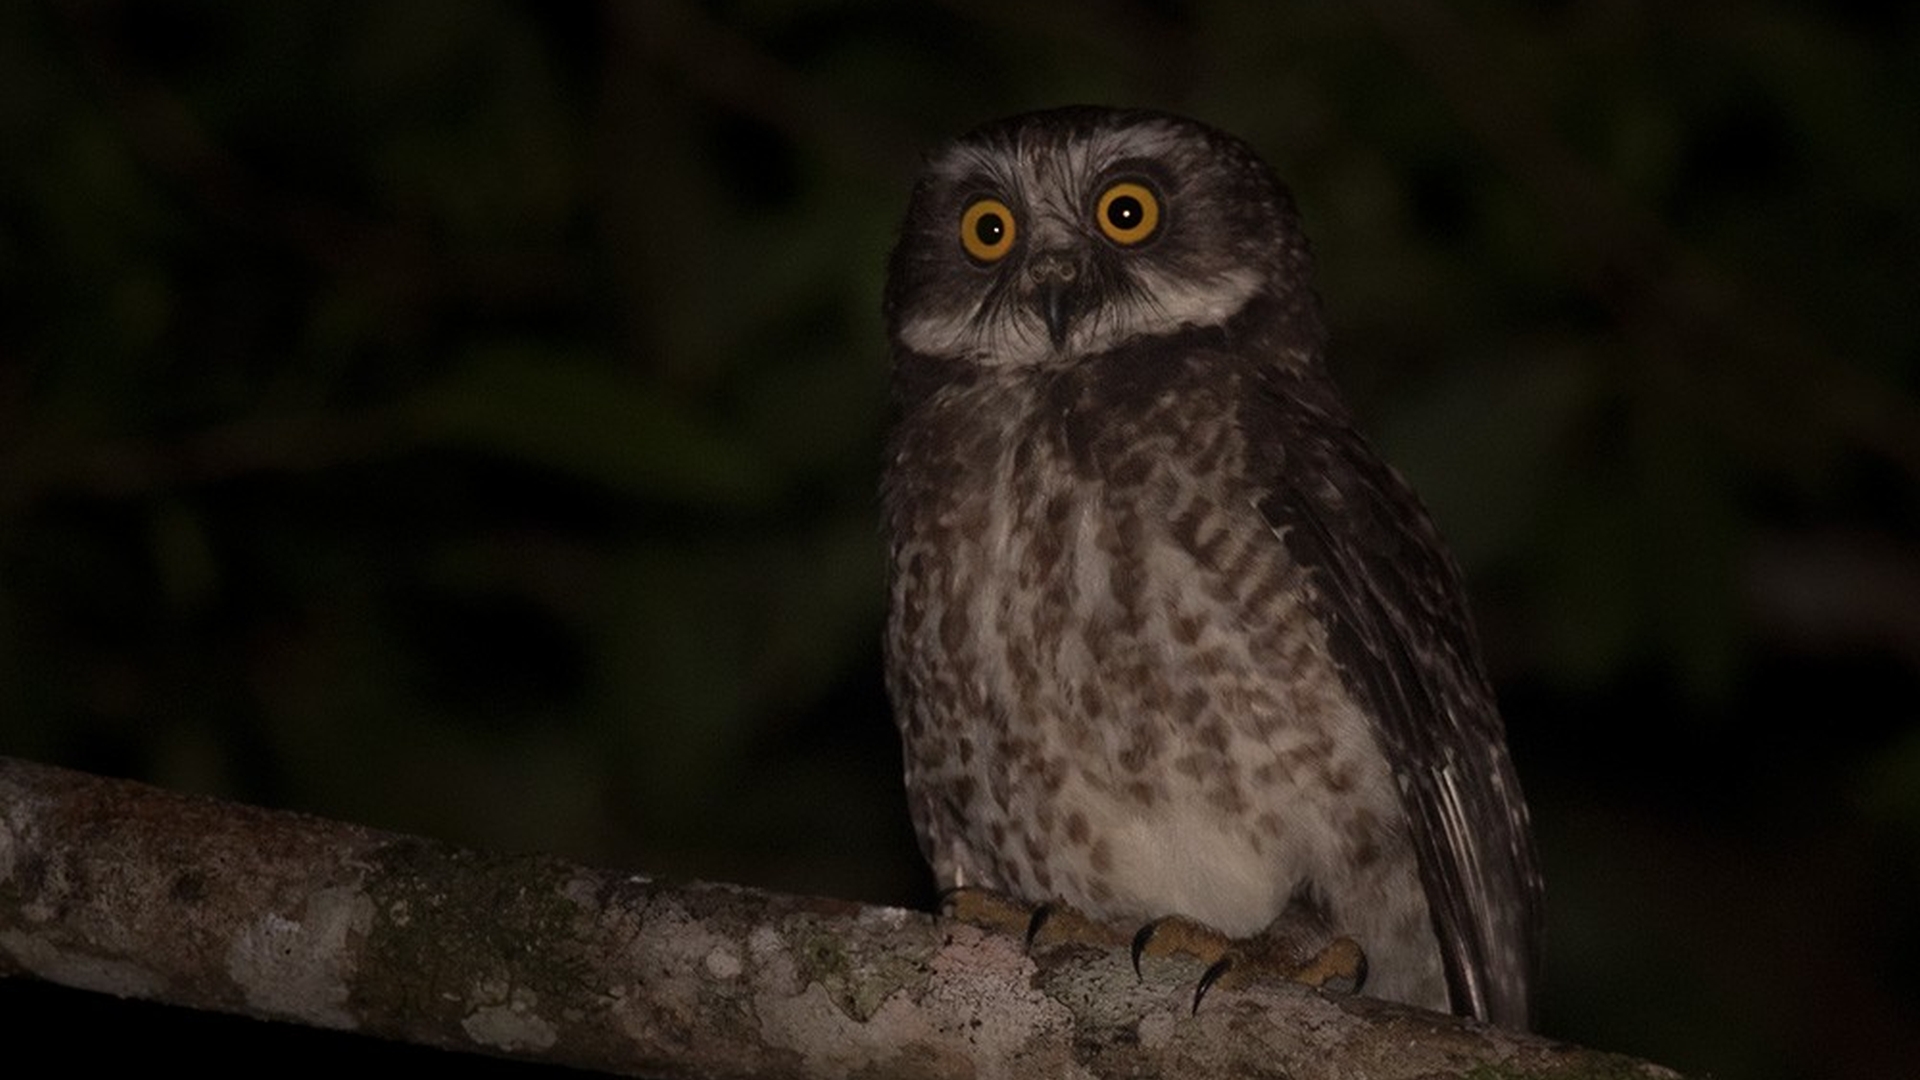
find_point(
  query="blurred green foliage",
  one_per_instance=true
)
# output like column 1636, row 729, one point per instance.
column 463, row 417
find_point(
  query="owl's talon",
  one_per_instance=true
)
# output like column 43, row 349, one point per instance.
column 1212, row 975
column 1042, row 914
column 1139, row 947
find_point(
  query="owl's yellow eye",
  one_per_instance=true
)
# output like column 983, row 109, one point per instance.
column 1128, row 212
column 987, row 229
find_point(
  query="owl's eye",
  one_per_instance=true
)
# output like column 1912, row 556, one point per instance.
column 1128, row 212
column 987, row 229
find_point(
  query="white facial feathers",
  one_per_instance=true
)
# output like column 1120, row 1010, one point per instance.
column 1189, row 273
column 1016, row 335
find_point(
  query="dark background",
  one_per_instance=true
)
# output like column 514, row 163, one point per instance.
column 463, row 417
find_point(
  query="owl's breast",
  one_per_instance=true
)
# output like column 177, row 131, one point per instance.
column 1112, row 689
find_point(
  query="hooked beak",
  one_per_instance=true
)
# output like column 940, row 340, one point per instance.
column 1054, row 287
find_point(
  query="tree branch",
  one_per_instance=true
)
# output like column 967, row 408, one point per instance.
column 122, row 888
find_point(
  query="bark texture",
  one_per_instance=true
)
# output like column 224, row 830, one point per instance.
column 126, row 889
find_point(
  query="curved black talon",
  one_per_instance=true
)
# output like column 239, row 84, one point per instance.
column 1041, row 913
column 1214, row 971
column 1140, row 939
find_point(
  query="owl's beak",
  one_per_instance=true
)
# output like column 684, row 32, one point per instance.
column 1055, row 301
column 1055, row 282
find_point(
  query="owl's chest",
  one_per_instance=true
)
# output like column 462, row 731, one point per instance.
column 1098, row 645
column 1032, row 471
column 1069, row 532
column 1111, row 593
column 1040, row 533
column 1070, row 554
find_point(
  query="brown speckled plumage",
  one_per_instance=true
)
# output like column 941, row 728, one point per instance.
column 1166, row 637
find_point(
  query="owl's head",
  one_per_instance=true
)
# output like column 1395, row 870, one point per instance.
column 1066, row 233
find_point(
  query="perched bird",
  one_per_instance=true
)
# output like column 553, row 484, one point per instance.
column 1165, row 636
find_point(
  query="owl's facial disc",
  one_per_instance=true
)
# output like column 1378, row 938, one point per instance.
column 1059, row 236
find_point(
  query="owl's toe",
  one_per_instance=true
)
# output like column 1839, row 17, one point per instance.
column 1177, row 935
column 1340, row 968
column 1059, row 923
column 1042, row 926
column 986, row 909
column 1337, row 965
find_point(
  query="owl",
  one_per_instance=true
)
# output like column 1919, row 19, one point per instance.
column 1165, row 636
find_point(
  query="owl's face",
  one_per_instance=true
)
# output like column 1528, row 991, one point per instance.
column 1066, row 233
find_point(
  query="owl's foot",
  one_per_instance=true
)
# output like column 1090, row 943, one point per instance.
column 1296, row 953
column 1298, row 947
column 1041, row 926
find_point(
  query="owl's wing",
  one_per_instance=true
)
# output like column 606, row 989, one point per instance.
column 1397, row 622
